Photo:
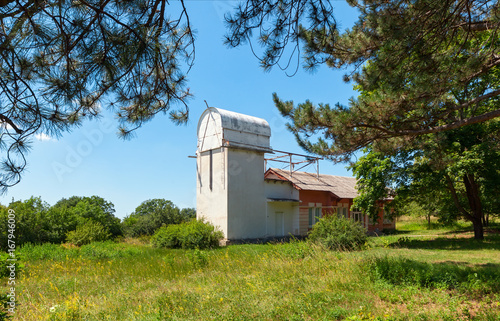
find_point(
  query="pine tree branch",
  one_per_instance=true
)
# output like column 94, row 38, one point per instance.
column 7, row 120
column 476, row 26
column 416, row 132
column 4, row 3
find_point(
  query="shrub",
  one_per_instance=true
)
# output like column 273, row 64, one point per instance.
column 167, row 237
column 152, row 214
column 30, row 221
column 7, row 266
column 90, row 231
column 195, row 234
column 338, row 233
column 37, row 223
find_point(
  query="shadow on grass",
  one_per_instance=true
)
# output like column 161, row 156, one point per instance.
column 402, row 271
column 490, row 242
column 395, row 232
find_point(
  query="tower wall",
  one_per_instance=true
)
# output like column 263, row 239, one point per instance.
column 246, row 194
column 211, row 201
column 230, row 172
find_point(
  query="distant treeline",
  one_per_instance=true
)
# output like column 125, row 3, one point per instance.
column 81, row 220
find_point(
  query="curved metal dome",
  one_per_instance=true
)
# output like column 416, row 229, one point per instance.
column 218, row 127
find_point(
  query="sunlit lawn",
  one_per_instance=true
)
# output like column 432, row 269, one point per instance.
column 265, row 282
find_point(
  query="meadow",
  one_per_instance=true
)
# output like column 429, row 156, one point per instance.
column 415, row 274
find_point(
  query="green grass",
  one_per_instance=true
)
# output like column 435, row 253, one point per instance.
column 396, row 277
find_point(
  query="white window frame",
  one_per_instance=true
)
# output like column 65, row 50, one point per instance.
column 342, row 212
column 314, row 213
column 356, row 212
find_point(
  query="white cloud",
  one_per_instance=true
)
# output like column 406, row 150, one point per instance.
column 43, row 137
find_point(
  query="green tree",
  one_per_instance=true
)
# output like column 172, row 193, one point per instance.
column 455, row 175
column 60, row 221
column 61, row 61
column 81, row 209
column 188, row 214
column 410, row 57
column 30, row 223
column 152, row 214
column 427, row 73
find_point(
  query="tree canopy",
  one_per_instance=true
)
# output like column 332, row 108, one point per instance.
column 425, row 67
column 152, row 214
column 427, row 73
column 37, row 222
column 64, row 61
column 455, row 175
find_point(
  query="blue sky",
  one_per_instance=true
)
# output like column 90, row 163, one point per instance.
column 92, row 160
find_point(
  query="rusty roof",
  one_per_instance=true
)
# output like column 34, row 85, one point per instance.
column 342, row 187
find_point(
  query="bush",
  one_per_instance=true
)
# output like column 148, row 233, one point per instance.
column 89, row 232
column 195, row 234
column 7, row 266
column 37, row 223
column 338, row 233
column 167, row 237
column 152, row 214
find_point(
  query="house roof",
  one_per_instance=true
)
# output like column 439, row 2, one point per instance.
column 342, row 187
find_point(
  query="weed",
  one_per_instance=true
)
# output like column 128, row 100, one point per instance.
column 295, row 281
column 295, row 250
column 198, row 258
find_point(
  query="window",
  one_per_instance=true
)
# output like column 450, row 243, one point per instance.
column 342, row 212
column 314, row 213
column 357, row 216
column 317, row 214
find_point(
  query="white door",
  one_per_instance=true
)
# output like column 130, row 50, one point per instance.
column 279, row 226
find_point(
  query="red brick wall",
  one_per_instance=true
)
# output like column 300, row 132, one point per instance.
column 327, row 201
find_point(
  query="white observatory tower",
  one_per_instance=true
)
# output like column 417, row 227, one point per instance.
column 230, row 172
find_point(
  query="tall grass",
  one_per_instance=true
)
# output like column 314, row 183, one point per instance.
column 294, row 281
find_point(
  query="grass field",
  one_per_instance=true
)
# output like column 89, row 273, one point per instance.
column 440, row 275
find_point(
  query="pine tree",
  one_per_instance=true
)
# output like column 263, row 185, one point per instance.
column 427, row 73
column 409, row 58
column 64, row 61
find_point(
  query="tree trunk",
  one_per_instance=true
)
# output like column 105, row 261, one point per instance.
column 478, row 229
column 476, row 210
column 473, row 196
